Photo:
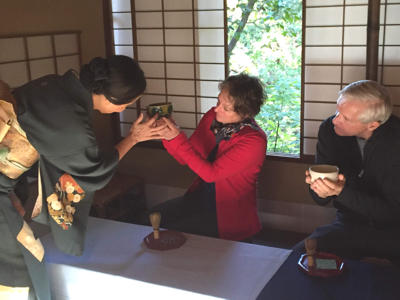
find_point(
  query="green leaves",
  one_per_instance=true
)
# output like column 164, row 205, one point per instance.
column 270, row 47
column 280, row 116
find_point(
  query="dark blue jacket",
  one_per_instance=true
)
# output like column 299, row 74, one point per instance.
column 371, row 195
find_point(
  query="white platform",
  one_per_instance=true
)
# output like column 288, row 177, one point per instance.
column 118, row 265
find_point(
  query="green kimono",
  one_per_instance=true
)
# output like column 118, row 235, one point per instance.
column 55, row 113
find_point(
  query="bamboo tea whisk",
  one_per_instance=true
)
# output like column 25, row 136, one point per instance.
column 311, row 245
column 155, row 219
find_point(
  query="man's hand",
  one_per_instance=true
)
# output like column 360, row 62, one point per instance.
column 324, row 187
column 308, row 177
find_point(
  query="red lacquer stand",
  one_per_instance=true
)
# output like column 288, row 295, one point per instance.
column 168, row 240
column 303, row 264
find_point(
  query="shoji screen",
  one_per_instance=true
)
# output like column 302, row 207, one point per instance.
column 335, row 55
column 27, row 57
column 180, row 46
column 390, row 50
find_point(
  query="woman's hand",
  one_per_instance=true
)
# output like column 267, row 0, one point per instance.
column 141, row 132
column 171, row 131
column 145, row 131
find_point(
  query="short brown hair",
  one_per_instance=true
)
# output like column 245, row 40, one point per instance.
column 246, row 93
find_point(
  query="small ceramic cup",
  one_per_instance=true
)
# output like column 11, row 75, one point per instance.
column 324, row 171
column 164, row 109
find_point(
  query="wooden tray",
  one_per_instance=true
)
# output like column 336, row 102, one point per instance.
column 168, row 240
column 314, row 271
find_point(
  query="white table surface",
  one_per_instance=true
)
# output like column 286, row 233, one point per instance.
column 118, row 265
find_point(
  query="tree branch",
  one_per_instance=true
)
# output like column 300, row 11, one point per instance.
column 263, row 28
column 239, row 30
column 277, row 137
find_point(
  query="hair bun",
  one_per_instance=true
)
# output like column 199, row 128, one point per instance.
column 98, row 67
column 119, row 78
column 93, row 74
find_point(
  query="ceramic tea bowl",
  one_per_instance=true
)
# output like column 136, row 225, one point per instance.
column 164, row 109
column 324, row 171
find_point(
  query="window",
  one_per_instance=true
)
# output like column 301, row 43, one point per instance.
column 182, row 47
column 335, row 55
column 26, row 57
column 264, row 39
column 389, row 60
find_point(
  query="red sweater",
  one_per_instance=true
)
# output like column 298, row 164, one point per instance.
column 234, row 171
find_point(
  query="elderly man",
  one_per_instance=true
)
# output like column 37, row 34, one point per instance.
column 363, row 140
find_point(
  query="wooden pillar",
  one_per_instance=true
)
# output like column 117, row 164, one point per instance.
column 108, row 25
column 373, row 39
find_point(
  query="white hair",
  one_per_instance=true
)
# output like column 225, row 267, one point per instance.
column 375, row 95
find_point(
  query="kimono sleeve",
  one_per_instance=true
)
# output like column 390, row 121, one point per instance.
column 91, row 168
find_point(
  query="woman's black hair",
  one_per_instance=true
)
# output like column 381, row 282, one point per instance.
column 119, row 78
column 246, row 92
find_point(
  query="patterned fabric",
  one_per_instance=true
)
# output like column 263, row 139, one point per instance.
column 225, row 131
column 16, row 153
column 61, row 204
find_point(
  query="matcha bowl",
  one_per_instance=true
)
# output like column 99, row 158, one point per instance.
column 164, row 109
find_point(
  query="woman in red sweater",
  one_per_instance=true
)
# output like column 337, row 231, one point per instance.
column 226, row 151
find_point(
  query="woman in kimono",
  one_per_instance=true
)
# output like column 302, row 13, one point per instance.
column 226, row 151
column 52, row 115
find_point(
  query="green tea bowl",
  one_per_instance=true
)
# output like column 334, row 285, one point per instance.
column 164, row 109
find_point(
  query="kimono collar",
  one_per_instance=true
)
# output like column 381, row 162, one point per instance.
column 80, row 94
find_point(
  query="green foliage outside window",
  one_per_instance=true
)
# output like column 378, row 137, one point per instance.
column 264, row 39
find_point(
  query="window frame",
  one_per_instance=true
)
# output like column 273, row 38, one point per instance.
column 110, row 50
column 54, row 56
column 301, row 158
